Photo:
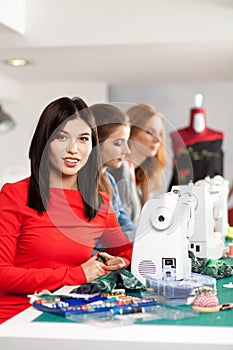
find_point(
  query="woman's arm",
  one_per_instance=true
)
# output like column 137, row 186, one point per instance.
column 123, row 218
column 114, row 241
column 31, row 262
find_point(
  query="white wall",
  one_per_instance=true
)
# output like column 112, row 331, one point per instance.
column 12, row 14
column 25, row 107
column 175, row 100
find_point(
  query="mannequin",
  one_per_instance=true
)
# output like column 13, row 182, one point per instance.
column 197, row 149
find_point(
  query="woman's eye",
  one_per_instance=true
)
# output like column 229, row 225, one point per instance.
column 154, row 134
column 118, row 143
column 84, row 139
column 62, row 137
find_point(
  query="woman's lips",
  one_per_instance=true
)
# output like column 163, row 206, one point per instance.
column 155, row 148
column 71, row 162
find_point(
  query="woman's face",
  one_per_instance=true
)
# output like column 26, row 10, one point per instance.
column 115, row 147
column 70, row 149
column 147, row 139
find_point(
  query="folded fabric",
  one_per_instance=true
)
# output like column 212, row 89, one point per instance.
column 214, row 268
column 120, row 279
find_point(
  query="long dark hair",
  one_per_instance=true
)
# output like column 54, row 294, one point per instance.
column 108, row 119
column 58, row 113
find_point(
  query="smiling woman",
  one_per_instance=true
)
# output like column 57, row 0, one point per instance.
column 51, row 221
column 68, row 153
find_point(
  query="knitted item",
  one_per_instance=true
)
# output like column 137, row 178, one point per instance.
column 206, row 300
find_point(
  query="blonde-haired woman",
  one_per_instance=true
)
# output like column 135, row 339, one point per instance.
column 141, row 174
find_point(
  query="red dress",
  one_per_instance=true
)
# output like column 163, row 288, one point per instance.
column 196, row 154
column 45, row 251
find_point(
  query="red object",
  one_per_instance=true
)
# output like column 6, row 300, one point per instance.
column 206, row 300
column 188, row 136
column 230, row 216
column 46, row 251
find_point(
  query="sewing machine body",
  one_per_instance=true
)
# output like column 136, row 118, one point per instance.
column 161, row 245
column 210, row 216
column 219, row 190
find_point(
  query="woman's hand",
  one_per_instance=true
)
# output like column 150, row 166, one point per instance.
column 93, row 268
column 113, row 262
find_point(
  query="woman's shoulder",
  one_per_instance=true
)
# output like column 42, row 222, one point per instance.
column 19, row 187
column 105, row 196
column 110, row 178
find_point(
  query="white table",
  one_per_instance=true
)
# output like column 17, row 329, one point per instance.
column 20, row 333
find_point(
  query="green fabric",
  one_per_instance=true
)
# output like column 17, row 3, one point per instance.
column 120, row 279
column 214, row 268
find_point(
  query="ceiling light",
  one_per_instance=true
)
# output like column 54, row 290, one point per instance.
column 6, row 122
column 17, row 62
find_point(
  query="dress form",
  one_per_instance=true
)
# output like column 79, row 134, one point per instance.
column 197, row 148
column 197, row 130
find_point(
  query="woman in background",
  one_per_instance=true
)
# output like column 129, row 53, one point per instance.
column 50, row 222
column 113, row 131
column 141, row 174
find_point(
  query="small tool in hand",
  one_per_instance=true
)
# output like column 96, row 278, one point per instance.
column 102, row 259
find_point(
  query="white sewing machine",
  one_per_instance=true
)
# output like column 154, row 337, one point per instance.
column 219, row 190
column 210, row 226
column 161, row 239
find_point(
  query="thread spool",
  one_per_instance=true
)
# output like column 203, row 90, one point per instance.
column 230, row 250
